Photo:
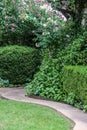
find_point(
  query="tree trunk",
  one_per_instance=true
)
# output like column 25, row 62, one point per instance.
column 84, row 14
column 81, row 11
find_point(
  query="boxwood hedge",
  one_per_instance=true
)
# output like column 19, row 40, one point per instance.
column 18, row 63
column 75, row 82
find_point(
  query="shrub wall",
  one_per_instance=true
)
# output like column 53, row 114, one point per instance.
column 18, row 63
column 75, row 81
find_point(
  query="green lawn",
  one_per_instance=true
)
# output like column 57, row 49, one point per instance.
column 24, row 116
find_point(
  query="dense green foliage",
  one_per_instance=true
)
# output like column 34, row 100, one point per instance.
column 68, row 84
column 75, row 85
column 76, row 52
column 23, row 22
column 21, row 36
column 14, row 29
column 47, row 82
column 60, row 38
column 18, row 64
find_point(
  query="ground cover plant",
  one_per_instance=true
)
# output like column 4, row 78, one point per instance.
column 4, row 83
column 24, row 116
column 47, row 82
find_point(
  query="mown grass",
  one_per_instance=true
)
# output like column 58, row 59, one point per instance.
column 24, row 116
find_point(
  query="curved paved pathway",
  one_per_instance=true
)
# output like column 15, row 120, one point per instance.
column 18, row 94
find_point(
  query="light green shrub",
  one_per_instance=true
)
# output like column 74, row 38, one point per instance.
column 75, row 81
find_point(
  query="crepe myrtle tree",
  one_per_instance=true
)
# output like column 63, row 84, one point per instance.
column 15, row 27
column 47, row 19
column 40, row 13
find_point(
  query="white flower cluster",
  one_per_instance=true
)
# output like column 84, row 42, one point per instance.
column 50, row 18
column 53, row 21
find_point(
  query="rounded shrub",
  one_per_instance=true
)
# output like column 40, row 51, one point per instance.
column 18, row 63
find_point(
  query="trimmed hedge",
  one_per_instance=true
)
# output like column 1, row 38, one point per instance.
column 18, row 63
column 75, row 82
